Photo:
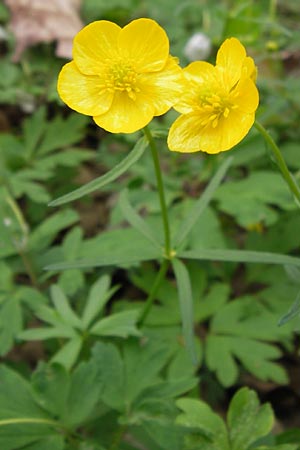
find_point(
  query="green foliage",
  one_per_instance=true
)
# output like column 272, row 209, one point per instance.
column 247, row 421
column 66, row 324
column 33, row 158
column 119, row 343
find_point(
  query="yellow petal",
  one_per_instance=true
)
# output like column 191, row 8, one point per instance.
column 228, row 133
column 199, row 76
column 163, row 88
column 94, row 45
column 81, row 92
column 126, row 115
column 187, row 135
column 248, row 98
column 146, row 43
column 249, row 68
column 230, row 59
column 199, row 71
column 184, row 134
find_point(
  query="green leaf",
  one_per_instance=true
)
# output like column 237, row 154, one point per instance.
column 197, row 415
column 98, row 296
column 11, row 322
column 48, row 443
column 43, row 235
column 84, row 393
column 238, row 330
column 108, row 358
column 249, row 200
column 116, row 259
column 220, row 360
column 198, row 208
column 33, row 129
column 16, row 397
column 290, row 436
column 63, row 307
column 39, row 334
column 51, row 387
column 110, row 176
column 136, row 221
column 292, row 312
column 33, row 434
column 186, row 306
column 279, row 447
column 242, row 256
column 22, row 421
column 247, row 420
column 143, row 361
column 122, row 324
column 169, row 388
column 69, row 353
column 61, row 132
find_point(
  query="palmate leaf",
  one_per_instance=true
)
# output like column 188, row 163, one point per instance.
column 65, row 323
column 244, row 330
column 247, row 421
column 249, row 200
column 108, row 177
column 22, row 420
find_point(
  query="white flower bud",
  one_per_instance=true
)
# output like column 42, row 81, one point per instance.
column 7, row 222
column 198, row 47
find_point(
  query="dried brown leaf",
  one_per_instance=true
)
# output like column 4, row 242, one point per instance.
column 36, row 21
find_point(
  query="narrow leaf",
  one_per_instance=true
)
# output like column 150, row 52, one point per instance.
column 292, row 312
column 242, row 256
column 118, row 259
column 135, row 219
column 43, row 333
column 201, row 204
column 97, row 298
column 63, row 307
column 68, row 354
column 186, row 305
column 121, row 324
column 108, row 177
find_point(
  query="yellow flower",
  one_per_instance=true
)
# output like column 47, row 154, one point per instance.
column 123, row 77
column 219, row 102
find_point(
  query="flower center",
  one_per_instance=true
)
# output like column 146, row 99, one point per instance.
column 122, row 77
column 216, row 107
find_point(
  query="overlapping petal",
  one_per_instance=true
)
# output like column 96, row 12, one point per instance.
column 198, row 76
column 126, row 115
column 94, row 45
column 230, row 58
column 187, row 135
column 164, row 87
column 82, row 93
column 146, row 43
column 248, row 98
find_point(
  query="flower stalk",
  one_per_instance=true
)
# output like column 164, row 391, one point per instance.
column 287, row 176
column 161, row 193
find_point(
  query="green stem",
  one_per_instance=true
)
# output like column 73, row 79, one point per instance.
column 20, row 420
column 161, row 192
column 21, row 246
column 151, row 297
column 294, row 188
column 118, row 437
